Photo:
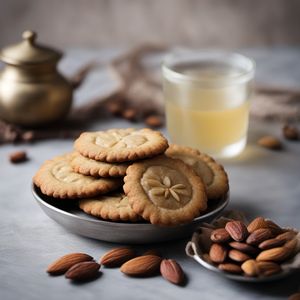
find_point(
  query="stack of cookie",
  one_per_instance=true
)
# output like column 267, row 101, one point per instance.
column 133, row 175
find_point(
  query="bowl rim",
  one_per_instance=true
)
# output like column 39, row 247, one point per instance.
column 41, row 201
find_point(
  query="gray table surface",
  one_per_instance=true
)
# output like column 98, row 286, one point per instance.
column 262, row 183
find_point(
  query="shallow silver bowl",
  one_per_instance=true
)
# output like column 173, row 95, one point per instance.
column 67, row 214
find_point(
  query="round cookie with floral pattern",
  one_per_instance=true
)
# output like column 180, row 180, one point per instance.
column 56, row 178
column 212, row 173
column 121, row 145
column 165, row 191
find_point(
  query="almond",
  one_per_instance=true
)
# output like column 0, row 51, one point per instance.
column 271, row 243
column 237, row 230
column 267, row 268
column 171, row 271
column 18, row 157
column 243, row 247
column 152, row 252
column 290, row 132
column 270, row 142
column 238, row 256
column 295, row 296
column 286, row 236
column 145, row 265
column 116, row 257
column 275, row 254
column 83, row 271
column 217, row 253
column 230, row 268
column 257, row 223
column 154, row 121
column 220, row 235
column 61, row 265
column 250, row 267
column 276, row 229
column 258, row 236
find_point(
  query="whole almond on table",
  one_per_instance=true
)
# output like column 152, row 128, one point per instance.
column 220, row 235
column 171, row 271
column 142, row 266
column 259, row 235
column 276, row 254
column 237, row 230
column 116, row 257
column 290, row 132
column 64, row 263
column 271, row 243
column 243, row 247
column 218, row 253
column 154, row 121
column 18, row 157
column 83, row 271
column 238, row 256
column 270, row 142
column 230, row 268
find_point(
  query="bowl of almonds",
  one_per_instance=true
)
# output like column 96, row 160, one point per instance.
column 257, row 251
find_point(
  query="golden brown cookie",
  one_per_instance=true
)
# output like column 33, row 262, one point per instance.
column 213, row 174
column 56, row 178
column 113, row 206
column 165, row 191
column 120, row 145
column 88, row 166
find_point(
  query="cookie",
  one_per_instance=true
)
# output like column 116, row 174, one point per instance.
column 213, row 174
column 113, row 206
column 121, row 145
column 88, row 166
column 56, row 178
column 165, row 191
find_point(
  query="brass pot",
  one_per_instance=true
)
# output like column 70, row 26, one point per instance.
column 32, row 92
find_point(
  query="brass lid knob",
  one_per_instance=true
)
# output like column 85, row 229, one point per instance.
column 28, row 52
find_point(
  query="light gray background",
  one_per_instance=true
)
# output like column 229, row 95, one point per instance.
column 106, row 23
column 262, row 183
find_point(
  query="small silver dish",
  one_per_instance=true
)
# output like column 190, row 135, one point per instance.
column 68, row 215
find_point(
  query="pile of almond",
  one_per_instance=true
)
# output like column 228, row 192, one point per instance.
column 82, row 267
column 256, row 250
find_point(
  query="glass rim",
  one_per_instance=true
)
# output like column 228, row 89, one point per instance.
column 168, row 71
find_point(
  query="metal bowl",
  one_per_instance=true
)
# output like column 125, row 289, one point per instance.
column 67, row 214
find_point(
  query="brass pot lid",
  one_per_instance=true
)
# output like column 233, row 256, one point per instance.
column 28, row 52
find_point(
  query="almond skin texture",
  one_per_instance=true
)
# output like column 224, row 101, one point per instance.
column 258, row 236
column 257, row 223
column 220, row 236
column 271, row 243
column 250, row 268
column 217, row 253
column 116, row 257
column 230, row 268
column 238, row 256
column 267, row 268
column 171, row 271
column 64, row 263
column 83, row 271
column 237, row 230
column 142, row 266
column 276, row 229
column 243, row 247
column 286, row 236
column 275, row 254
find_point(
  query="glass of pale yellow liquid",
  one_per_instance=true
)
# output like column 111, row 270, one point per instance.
column 207, row 100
